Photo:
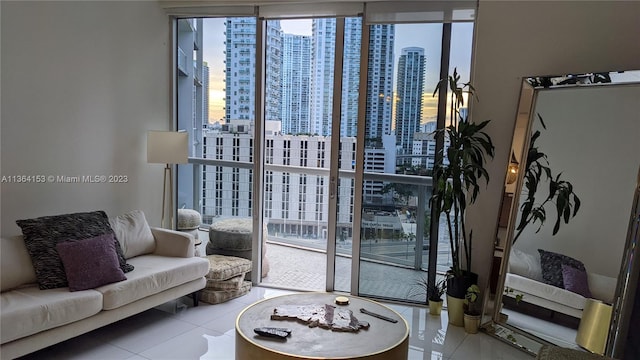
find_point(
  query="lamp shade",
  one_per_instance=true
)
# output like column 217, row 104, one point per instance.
column 167, row 147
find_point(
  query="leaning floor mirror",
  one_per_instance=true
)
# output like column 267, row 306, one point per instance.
column 564, row 272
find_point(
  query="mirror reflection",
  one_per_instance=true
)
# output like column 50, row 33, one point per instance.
column 566, row 205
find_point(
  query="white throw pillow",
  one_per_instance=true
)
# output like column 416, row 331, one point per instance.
column 527, row 265
column 17, row 268
column 133, row 233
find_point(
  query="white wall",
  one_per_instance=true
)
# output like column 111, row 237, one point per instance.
column 593, row 138
column 82, row 82
column 525, row 38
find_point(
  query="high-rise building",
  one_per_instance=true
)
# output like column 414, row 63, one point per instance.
column 410, row 81
column 380, row 148
column 296, row 70
column 424, row 146
column 273, row 81
column 240, row 64
column 294, row 202
column 323, row 42
column 380, row 68
column 350, row 77
column 380, row 84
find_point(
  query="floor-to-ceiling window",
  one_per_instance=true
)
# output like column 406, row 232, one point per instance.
column 337, row 115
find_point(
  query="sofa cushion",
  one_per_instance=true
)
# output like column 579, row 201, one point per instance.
column 152, row 274
column 226, row 267
column 42, row 234
column 17, row 268
column 212, row 296
column 133, row 233
column 575, row 280
column 602, row 287
column 552, row 266
column 91, row 262
column 29, row 310
column 234, row 283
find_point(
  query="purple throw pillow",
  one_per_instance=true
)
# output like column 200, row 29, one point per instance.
column 91, row 262
column 575, row 280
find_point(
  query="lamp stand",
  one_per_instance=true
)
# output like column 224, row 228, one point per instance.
column 167, row 172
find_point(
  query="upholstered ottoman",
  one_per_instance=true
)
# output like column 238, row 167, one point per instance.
column 189, row 221
column 225, row 280
column 233, row 237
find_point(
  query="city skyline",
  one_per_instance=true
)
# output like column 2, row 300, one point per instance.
column 214, row 37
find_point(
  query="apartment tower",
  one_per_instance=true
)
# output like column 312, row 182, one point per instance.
column 296, row 70
column 410, row 82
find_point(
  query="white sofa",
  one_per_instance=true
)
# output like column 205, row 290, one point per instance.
column 525, row 278
column 32, row 319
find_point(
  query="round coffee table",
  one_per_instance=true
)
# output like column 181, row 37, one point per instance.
column 383, row 340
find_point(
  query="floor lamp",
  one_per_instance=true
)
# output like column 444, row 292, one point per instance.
column 167, row 147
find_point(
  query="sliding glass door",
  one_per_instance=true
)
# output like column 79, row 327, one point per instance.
column 321, row 131
column 312, row 73
column 405, row 63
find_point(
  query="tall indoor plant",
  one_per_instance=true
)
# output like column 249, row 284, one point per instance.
column 560, row 193
column 457, row 175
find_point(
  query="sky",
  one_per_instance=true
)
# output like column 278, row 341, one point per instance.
column 427, row 36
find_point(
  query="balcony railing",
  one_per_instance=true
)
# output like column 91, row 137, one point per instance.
column 395, row 218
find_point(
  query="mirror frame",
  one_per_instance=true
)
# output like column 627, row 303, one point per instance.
column 629, row 274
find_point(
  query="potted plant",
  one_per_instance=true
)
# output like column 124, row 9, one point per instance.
column 457, row 176
column 433, row 294
column 561, row 192
column 472, row 313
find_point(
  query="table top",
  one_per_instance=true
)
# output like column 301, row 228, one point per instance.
column 309, row 342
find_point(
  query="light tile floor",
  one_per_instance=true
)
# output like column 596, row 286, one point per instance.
column 177, row 331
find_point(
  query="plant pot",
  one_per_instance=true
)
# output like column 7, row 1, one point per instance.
column 471, row 323
column 457, row 285
column 455, row 310
column 435, row 307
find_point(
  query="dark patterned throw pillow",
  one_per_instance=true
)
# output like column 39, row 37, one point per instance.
column 552, row 267
column 41, row 235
